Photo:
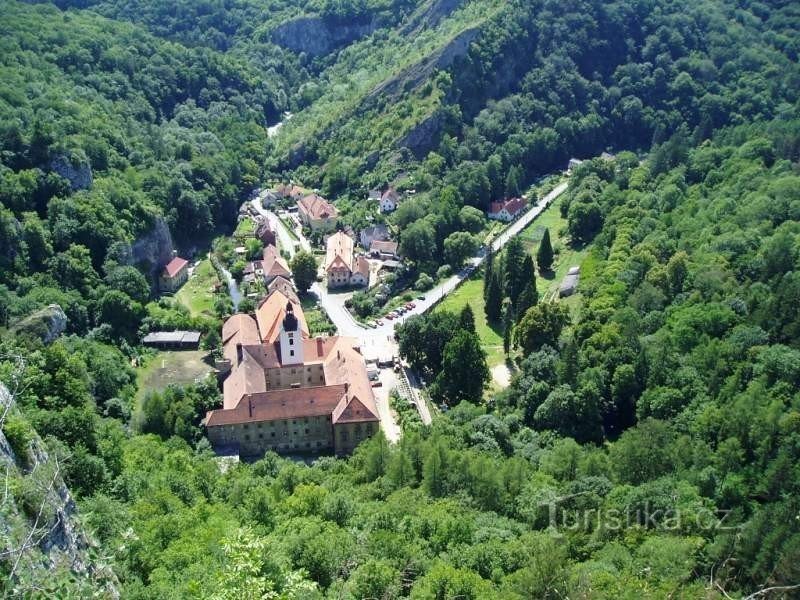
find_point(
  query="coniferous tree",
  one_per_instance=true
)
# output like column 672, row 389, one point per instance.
column 544, row 256
column 488, row 272
column 513, row 265
column 466, row 319
column 514, row 182
column 508, row 325
column 494, row 300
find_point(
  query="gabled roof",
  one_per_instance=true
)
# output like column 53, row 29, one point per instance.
column 271, row 312
column 512, row 206
column 285, row 286
column 173, row 267
column 339, row 251
column 362, row 266
column 279, row 404
column 273, row 264
column 238, row 329
column 390, row 195
column 289, row 191
column 383, row 247
column 316, row 207
column 352, row 410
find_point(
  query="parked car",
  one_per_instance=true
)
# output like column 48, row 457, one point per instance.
column 371, row 324
column 378, row 383
column 411, row 306
column 389, row 316
column 378, row 322
column 420, row 297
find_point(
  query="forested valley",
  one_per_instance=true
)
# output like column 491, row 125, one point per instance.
column 648, row 444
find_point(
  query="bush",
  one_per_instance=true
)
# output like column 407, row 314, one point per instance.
column 19, row 435
column 424, row 282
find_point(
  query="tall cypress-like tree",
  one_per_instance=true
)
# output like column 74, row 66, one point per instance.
column 494, row 300
column 544, row 256
column 513, row 281
column 488, row 272
column 508, row 325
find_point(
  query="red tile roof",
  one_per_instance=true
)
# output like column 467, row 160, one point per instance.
column 280, row 404
column 175, row 266
column 317, row 207
column 512, row 206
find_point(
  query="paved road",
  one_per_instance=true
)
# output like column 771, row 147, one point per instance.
column 379, row 342
column 334, row 304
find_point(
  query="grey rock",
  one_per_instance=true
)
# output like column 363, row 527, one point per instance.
column 154, row 248
column 317, row 36
column 75, row 168
column 47, row 324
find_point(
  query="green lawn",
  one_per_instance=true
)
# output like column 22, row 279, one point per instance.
column 198, row 293
column 316, row 318
column 471, row 292
column 565, row 256
column 171, row 367
column 245, row 228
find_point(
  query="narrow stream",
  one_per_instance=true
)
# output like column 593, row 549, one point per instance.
column 233, row 289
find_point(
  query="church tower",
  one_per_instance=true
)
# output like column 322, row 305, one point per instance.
column 291, row 339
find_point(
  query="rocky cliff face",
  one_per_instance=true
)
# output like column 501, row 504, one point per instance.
column 46, row 324
column 42, row 543
column 154, row 248
column 73, row 168
column 317, row 36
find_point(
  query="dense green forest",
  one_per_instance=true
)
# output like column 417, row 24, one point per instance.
column 649, row 444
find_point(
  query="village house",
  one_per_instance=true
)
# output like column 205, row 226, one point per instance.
column 373, row 233
column 174, row 275
column 285, row 286
column 374, row 195
column 572, row 164
column 389, row 200
column 342, row 266
column 507, row 210
column 317, row 213
column 383, row 250
column 288, row 392
column 272, row 265
column 265, row 233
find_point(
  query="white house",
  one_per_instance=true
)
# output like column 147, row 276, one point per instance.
column 389, row 200
column 507, row 210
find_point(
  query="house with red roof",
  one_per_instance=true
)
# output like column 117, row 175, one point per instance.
column 317, row 213
column 507, row 210
column 174, row 275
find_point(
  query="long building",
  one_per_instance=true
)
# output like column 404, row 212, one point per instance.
column 288, row 391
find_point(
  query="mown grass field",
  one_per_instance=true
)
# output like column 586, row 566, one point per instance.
column 471, row 292
column 565, row 256
column 197, row 294
column 170, row 368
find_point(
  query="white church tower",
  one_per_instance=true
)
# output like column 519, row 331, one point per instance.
column 291, row 339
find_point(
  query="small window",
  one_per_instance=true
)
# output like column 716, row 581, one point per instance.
column 291, row 341
column 307, row 430
column 272, row 434
column 291, row 353
column 247, row 437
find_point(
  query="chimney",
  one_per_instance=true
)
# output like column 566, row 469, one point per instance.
column 346, row 387
column 250, row 405
column 239, row 354
column 319, row 346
